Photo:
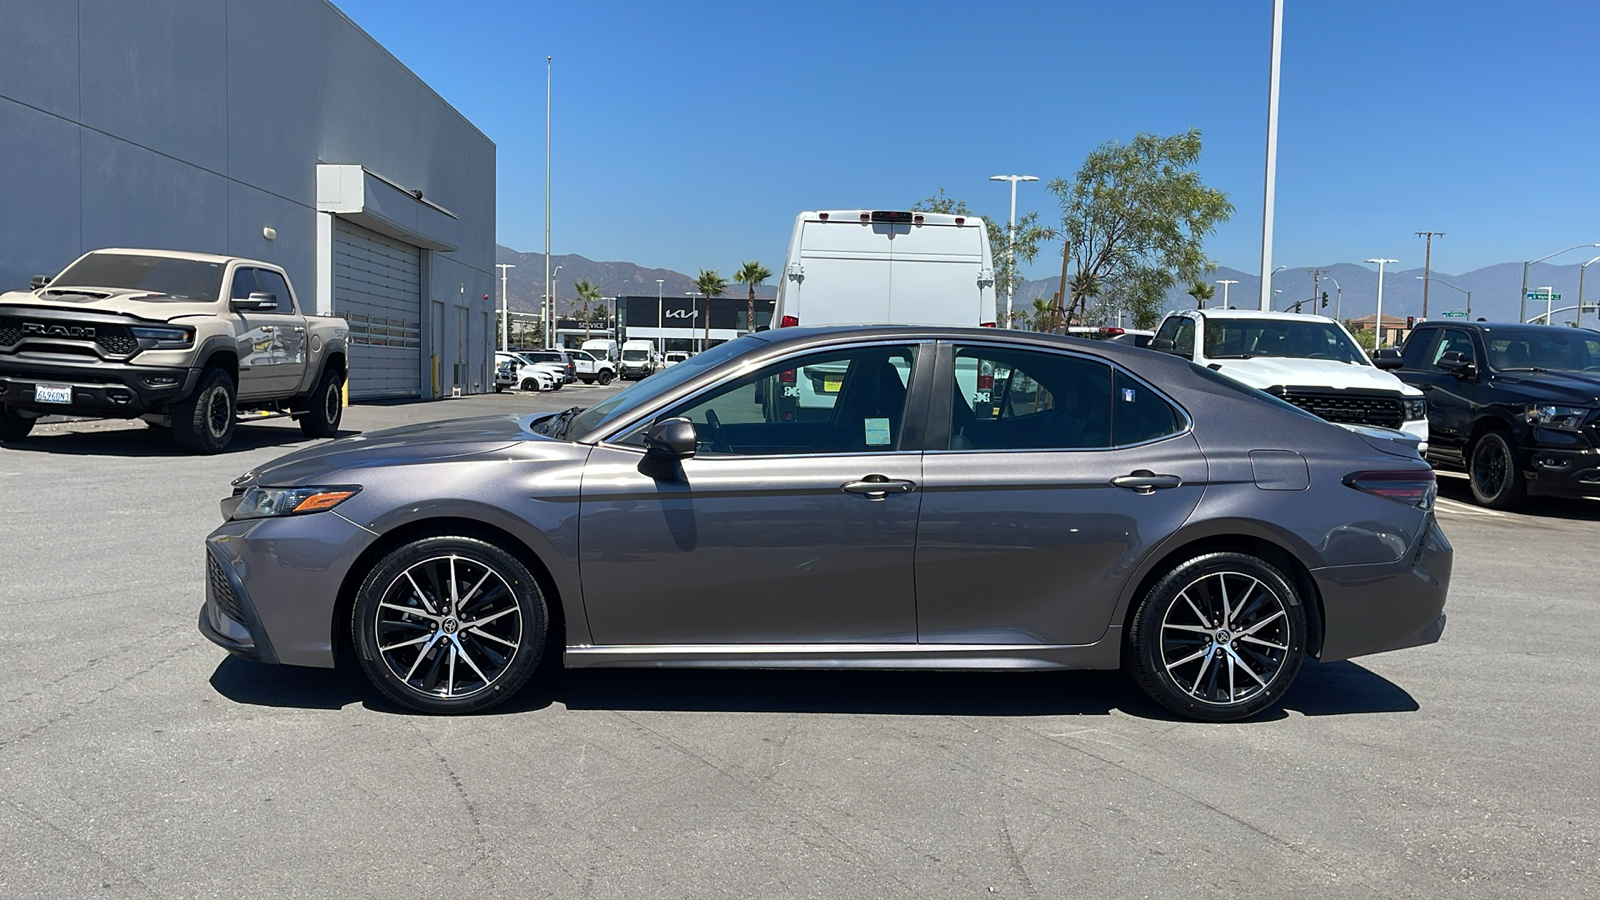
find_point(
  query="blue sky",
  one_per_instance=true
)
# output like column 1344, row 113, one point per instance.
column 688, row 135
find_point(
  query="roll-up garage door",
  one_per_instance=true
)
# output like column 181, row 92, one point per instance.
column 377, row 287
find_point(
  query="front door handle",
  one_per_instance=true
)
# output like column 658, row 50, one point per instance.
column 876, row 487
column 268, row 329
column 1144, row 481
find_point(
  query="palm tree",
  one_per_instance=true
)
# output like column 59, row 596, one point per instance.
column 752, row 274
column 712, row 285
column 588, row 293
column 1043, row 309
column 1201, row 292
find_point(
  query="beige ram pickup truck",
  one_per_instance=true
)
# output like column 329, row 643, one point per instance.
column 186, row 341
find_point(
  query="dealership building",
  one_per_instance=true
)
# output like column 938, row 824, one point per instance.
column 679, row 323
column 271, row 129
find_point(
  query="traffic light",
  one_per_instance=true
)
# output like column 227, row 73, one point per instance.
column 1411, row 322
column 1324, row 299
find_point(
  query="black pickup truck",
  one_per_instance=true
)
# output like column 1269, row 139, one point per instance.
column 1516, row 406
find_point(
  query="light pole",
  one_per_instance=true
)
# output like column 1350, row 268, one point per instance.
column 1525, row 266
column 550, row 295
column 1581, row 271
column 1011, row 235
column 550, row 288
column 1379, row 323
column 1549, row 301
column 1272, row 153
column 1469, row 293
column 661, row 323
column 505, row 307
column 1225, row 282
column 1267, row 291
column 694, row 304
column 1338, row 298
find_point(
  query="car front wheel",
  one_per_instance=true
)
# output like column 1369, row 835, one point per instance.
column 605, row 377
column 530, row 384
column 203, row 421
column 449, row 624
column 1220, row 637
column 1494, row 472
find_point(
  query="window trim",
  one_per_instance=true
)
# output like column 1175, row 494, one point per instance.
column 943, row 398
column 912, row 425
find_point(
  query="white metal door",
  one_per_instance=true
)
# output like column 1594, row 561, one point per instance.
column 377, row 287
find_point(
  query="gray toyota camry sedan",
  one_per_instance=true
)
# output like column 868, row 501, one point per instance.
column 867, row 497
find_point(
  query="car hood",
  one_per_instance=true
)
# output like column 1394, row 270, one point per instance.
column 142, row 304
column 407, row 445
column 1265, row 372
column 1580, row 388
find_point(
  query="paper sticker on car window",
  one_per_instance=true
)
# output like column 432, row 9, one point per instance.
column 1127, row 395
column 877, row 432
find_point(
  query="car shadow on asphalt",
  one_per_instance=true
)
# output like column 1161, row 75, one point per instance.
column 1574, row 509
column 1322, row 689
column 135, row 441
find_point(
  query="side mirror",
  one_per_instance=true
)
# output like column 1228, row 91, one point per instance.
column 671, row 439
column 259, row 301
column 1457, row 363
column 1387, row 358
column 1165, row 345
column 38, row 281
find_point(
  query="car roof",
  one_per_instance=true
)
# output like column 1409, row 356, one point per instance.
column 827, row 334
column 184, row 254
column 1490, row 326
column 1254, row 314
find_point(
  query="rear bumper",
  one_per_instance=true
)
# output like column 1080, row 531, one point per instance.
column 1377, row 608
column 110, row 390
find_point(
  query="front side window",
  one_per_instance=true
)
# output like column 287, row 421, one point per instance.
column 244, row 284
column 840, row 401
column 274, row 284
column 1415, row 355
column 1184, row 341
column 1452, row 341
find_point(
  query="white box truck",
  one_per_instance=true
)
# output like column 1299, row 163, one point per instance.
column 882, row 267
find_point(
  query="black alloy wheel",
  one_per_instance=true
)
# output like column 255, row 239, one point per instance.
column 449, row 624
column 14, row 426
column 1495, row 473
column 1220, row 637
column 605, row 376
column 203, row 421
column 321, row 420
column 530, row 384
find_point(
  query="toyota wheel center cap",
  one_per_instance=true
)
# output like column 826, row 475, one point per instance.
column 450, row 625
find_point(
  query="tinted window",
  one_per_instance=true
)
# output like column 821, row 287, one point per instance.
column 1415, row 355
column 1285, row 338
column 273, row 283
column 180, row 279
column 1560, row 350
column 1169, row 329
column 244, row 284
column 1006, row 399
column 1138, row 414
column 1184, row 342
column 844, row 401
column 1452, row 340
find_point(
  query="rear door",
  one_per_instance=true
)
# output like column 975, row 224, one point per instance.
column 845, row 274
column 934, row 276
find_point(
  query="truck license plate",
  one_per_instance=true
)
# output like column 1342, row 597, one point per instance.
column 52, row 393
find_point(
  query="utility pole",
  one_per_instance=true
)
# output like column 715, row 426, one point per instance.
column 1316, row 287
column 1427, row 259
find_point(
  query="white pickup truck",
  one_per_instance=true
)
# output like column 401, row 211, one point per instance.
column 1310, row 361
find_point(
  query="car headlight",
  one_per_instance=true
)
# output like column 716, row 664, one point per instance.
column 168, row 338
column 1415, row 408
column 269, row 502
column 1561, row 418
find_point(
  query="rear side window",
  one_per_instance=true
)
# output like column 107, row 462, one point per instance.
column 1138, row 414
column 1006, row 399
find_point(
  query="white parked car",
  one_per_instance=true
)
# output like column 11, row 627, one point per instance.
column 1310, row 361
column 593, row 368
column 512, row 370
column 674, row 357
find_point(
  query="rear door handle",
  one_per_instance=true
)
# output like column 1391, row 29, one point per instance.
column 876, row 487
column 1143, row 481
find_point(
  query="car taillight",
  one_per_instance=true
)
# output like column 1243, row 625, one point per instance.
column 786, row 376
column 985, row 382
column 985, row 324
column 789, row 322
column 1413, row 487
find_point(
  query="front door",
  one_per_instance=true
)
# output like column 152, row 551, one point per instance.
column 1060, row 473
column 795, row 521
column 269, row 344
column 1451, row 404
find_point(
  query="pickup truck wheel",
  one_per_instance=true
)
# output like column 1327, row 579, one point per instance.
column 14, row 426
column 530, row 384
column 326, row 407
column 203, row 421
column 1495, row 473
column 605, row 377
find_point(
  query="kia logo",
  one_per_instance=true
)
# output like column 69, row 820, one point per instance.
column 683, row 313
column 66, row 331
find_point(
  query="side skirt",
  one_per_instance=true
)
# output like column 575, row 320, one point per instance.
column 1104, row 654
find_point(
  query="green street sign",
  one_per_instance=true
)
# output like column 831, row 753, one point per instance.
column 1540, row 295
column 1454, row 314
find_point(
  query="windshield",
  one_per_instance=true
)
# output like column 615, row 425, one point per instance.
column 1552, row 349
column 635, row 354
column 643, row 392
column 1282, row 338
column 178, row 279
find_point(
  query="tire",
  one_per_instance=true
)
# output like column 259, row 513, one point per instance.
column 587, row 380
column 14, row 426
column 1182, row 650
column 499, row 389
column 325, row 406
column 605, row 378
column 203, row 421
column 530, row 384
column 433, row 659
column 1495, row 472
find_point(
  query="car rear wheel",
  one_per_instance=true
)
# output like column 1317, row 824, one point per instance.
column 530, row 384
column 449, row 624
column 1495, row 473
column 14, row 426
column 203, row 421
column 1220, row 637
column 326, row 407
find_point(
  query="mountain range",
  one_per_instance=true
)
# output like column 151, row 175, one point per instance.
column 1495, row 289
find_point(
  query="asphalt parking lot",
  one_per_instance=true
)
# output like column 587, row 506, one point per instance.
column 136, row 759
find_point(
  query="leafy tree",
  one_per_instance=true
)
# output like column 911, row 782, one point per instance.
column 1366, row 338
column 1133, row 219
column 1201, row 292
column 752, row 273
column 588, row 293
column 712, row 285
column 944, row 204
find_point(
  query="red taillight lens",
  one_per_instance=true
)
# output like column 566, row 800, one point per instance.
column 985, row 382
column 1108, row 330
column 985, row 324
column 786, row 376
column 1413, row 487
column 788, row 322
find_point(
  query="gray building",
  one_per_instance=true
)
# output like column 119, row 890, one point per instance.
column 273, row 129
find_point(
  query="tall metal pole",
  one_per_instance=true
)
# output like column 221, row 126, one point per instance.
column 1272, row 156
column 505, row 307
column 1581, row 271
column 1427, row 263
column 549, row 294
column 1011, row 236
column 1225, row 282
column 1338, row 303
column 1523, row 317
column 1379, row 322
column 661, row 323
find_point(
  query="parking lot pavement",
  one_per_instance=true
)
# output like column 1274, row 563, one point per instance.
column 139, row 760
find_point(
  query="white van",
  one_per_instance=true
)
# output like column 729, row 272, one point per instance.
column 638, row 359
column 877, row 267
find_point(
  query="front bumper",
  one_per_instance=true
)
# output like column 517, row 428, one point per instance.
column 1561, row 464
column 1387, row 606
column 1417, row 428
column 102, row 389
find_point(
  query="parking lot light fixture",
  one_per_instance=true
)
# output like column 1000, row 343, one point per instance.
column 505, row 307
column 1581, row 270
column 1529, row 264
column 1011, row 234
column 1338, row 301
column 1378, row 322
column 1225, row 282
